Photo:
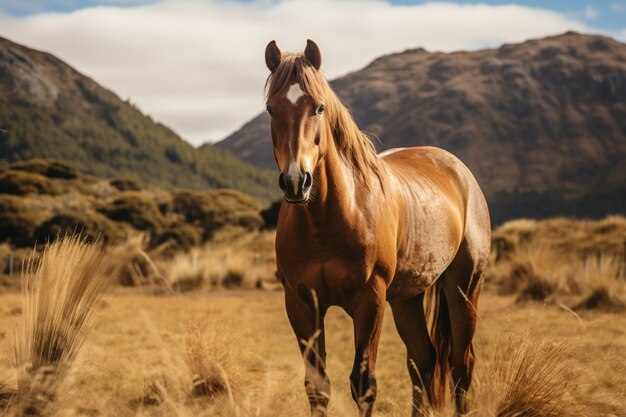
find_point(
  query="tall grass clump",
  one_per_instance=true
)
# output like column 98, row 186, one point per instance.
column 60, row 290
column 605, row 277
column 214, row 364
column 527, row 378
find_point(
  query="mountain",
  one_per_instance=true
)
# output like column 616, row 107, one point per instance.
column 542, row 124
column 50, row 110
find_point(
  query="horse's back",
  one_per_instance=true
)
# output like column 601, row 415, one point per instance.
column 441, row 172
column 444, row 207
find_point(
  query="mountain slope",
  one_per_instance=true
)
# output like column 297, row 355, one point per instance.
column 541, row 124
column 49, row 110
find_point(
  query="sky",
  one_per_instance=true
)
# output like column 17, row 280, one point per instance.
column 197, row 65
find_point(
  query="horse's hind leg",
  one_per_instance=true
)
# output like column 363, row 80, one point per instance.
column 421, row 355
column 308, row 326
column 462, row 282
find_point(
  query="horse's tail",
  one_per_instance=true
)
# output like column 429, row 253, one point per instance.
column 440, row 334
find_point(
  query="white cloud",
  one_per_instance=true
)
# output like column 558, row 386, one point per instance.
column 198, row 66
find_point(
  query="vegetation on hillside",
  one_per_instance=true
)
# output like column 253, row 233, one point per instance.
column 37, row 204
column 147, row 228
column 48, row 110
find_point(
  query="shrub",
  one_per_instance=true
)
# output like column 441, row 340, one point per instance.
column 137, row 210
column 91, row 225
column 47, row 168
column 21, row 183
column 180, row 237
column 213, row 210
column 126, row 184
column 17, row 221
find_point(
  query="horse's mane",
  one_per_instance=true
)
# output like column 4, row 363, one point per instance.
column 354, row 146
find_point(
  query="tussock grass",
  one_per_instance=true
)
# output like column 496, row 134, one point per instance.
column 134, row 267
column 527, row 378
column 214, row 364
column 576, row 262
column 60, row 290
column 605, row 277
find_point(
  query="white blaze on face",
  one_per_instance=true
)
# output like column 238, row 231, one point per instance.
column 294, row 93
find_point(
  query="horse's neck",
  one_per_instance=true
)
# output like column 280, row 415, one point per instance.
column 339, row 192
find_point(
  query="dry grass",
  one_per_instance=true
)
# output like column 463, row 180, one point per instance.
column 233, row 354
column 580, row 263
column 59, row 292
column 242, row 260
column 605, row 278
column 238, row 357
column 528, row 378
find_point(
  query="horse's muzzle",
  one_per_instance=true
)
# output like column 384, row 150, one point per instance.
column 295, row 187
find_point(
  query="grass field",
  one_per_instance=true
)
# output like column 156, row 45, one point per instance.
column 551, row 339
column 136, row 361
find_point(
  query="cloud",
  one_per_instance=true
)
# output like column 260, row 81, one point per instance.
column 198, row 66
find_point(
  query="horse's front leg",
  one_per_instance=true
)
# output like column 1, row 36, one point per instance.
column 307, row 322
column 367, row 311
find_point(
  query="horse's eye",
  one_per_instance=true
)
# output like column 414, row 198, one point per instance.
column 269, row 111
column 320, row 109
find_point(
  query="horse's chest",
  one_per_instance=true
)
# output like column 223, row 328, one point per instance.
column 329, row 264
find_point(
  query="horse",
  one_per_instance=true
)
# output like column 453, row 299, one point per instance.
column 358, row 229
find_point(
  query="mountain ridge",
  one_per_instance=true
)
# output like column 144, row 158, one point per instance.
column 541, row 124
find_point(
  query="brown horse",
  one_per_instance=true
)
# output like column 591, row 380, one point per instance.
column 358, row 229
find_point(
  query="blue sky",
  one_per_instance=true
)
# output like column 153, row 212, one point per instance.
column 197, row 65
column 602, row 14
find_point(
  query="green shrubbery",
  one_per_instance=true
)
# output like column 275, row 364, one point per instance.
column 41, row 200
column 17, row 221
column 22, row 183
column 91, row 226
column 213, row 210
column 136, row 209
column 47, row 168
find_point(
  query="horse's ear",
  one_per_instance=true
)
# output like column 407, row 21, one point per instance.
column 272, row 56
column 313, row 54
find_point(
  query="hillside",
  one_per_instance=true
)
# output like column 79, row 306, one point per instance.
column 542, row 124
column 49, row 110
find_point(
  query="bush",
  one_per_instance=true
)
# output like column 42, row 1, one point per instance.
column 180, row 236
column 136, row 209
column 17, row 221
column 126, row 184
column 213, row 210
column 90, row 225
column 21, row 183
column 47, row 168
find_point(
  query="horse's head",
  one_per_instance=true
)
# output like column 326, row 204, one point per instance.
column 297, row 112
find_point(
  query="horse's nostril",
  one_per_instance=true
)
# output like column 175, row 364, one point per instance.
column 308, row 180
column 281, row 182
